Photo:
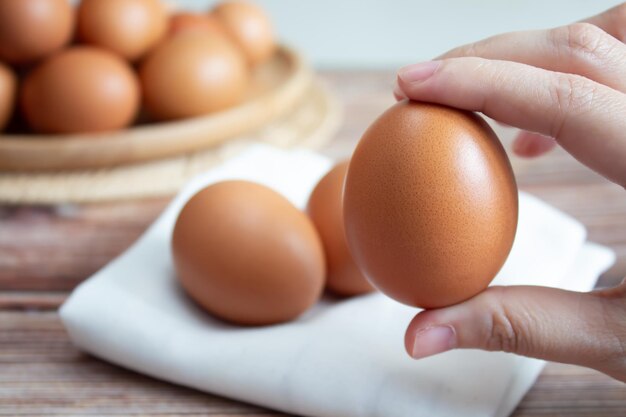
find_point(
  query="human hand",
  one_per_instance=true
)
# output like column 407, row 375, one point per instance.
column 567, row 83
column 563, row 86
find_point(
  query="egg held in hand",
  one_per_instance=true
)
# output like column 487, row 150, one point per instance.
column 430, row 204
column 247, row 255
column 325, row 208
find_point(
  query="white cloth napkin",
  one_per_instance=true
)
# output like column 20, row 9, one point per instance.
column 342, row 358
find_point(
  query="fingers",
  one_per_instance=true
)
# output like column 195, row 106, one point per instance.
column 545, row 323
column 585, row 117
column 530, row 145
column 613, row 21
column 398, row 94
column 526, row 144
column 581, row 48
column 592, row 49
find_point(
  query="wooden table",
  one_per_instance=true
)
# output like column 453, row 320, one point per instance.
column 46, row 251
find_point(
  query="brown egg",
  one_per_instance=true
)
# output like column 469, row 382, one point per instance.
column 203, row 22
column 82, row 89
column 430, row 204
column 129, row 28
column 249, row 27
column 325, row 208
column 192, row 74
column 33, row 29
column 8, row 85
column 247, row 255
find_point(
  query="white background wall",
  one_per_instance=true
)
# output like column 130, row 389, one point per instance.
column 390, row 33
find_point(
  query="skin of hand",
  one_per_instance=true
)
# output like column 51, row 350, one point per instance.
column 564, row 86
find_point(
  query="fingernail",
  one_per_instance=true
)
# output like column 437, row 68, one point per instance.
column 418, row 72
column 532, row 144
column 433, row 340
column 520, row 145
column 399, row 94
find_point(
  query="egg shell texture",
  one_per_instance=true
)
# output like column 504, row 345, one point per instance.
column 430, row 204
column 81, row 89
column 325, row 207
column 247, row 255
column 203, row 22
column 33, row 29
column 129, row 28
column 192, row 74
column 8, row 86
column 249, row 27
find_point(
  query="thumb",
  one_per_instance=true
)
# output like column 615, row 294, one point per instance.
column 586, row 329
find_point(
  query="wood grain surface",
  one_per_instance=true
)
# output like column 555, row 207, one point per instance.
column 46, row 251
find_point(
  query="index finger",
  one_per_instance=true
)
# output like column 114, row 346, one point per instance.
column 586, row 118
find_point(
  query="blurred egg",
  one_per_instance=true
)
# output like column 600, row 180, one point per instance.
column 82, row 89
column 33, row 29
column 203, row 22
column 430, row 204
column 129, row 28
column 247, row 255
column 8, row 85
column 192, row 74
column 325, row 208
column 249, row 27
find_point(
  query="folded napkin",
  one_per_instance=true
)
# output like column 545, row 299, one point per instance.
column 342, row 358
